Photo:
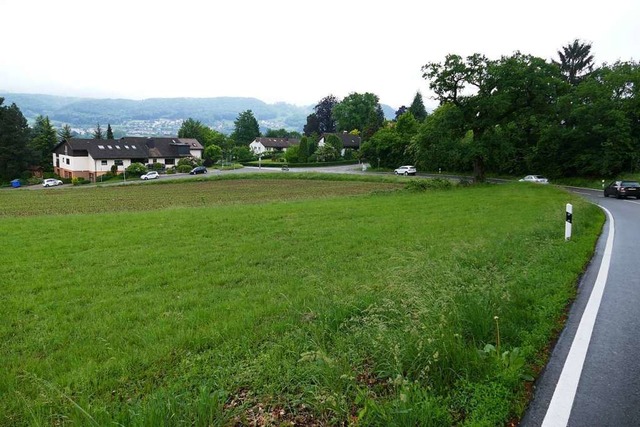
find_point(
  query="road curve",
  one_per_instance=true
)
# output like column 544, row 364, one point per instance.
column 607, row 389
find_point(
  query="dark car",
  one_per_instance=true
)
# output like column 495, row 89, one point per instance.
column 623, row 189
column 197, row 170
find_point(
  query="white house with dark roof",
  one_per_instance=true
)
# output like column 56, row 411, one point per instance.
column 263, row 144
column 91, row 158
column 348, row 141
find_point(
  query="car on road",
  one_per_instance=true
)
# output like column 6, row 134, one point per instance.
column 150, row 175
column 538, row 179
column 197, row 170
column 405, row 170
column 623, row 189
column 51, row 182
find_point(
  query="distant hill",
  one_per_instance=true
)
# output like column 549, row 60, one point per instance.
column 159, row 116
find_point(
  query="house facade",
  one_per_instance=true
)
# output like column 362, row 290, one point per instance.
column 263, row 144
column 348, row 141
column 92, row 158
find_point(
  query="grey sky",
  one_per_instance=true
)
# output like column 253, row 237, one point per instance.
column 284, row 50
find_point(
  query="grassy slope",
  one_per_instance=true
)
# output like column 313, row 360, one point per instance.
column 370, row 307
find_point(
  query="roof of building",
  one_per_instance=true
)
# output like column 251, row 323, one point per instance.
column 130, row 147
column 277, row 142
column 348, row 140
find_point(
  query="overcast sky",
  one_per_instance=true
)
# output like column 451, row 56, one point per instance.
column 292, row 51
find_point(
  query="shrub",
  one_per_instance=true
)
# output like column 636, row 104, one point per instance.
column 136, row 169
column 114, row 170
column 191, row 162
column 183, row 168
column 171, row 171
column 428, row 184
column 157, row 166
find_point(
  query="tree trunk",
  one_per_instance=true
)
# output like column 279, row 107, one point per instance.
column 478, row 169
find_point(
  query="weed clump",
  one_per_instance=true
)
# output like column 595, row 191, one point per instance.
column 429, row 184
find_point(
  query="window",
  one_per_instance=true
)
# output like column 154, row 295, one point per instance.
column 169, row 161
column 117, row 162
column 103, row 163
column 101, row 147
column 68, row 162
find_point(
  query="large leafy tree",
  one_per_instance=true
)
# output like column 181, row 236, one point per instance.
column 312, row 126
column 440, row 142
column 212, row 154
column 246, row 128
column 514, row 93
column 576, row 61
column 14, row 138
column 598, row 133
column 324, row 114
column 192, row 128
column 389, row 146
column 43, row 139
column 360, row 112
column 417, row 108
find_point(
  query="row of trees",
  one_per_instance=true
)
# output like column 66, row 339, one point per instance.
column 521, row 114
column 23, row 147
column 514, row 115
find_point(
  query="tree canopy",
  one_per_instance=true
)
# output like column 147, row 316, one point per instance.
column 417, row 108
column 576, row 61
column 14, row 138
column 109, row 131
column 43, row 139
column 246, row 128
column 360, row 112
column 324, row 114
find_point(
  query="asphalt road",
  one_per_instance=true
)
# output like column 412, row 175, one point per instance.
column 593, row 376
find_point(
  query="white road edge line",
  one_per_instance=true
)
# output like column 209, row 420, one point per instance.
column 562, row 401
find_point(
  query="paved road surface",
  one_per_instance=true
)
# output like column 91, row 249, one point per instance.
column 607, row 385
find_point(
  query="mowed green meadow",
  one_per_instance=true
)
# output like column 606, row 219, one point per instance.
column 282, row 301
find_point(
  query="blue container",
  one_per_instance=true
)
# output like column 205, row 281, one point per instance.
column 15, row 183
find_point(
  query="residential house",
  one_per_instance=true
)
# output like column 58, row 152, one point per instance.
column 91, row 158
column 262, row 145
column 348, row 141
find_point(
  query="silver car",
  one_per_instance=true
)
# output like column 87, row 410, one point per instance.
column 150, row 175
column 51, row 182
column 405, row 170
column 538, row 179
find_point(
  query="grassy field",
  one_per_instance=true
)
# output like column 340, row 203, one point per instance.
column 281, row 302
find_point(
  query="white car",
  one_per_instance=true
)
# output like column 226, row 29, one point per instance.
column 538, row 179
column 51, row 182
column 405, row 170
column 150, row 175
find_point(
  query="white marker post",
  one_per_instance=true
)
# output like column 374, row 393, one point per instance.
column 569, row 220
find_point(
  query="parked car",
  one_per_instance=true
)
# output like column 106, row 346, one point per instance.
column 538, row 179
column 51, row 182
column 197, row 170
column 405, row 170
column 623, row 189
column 150, row 175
